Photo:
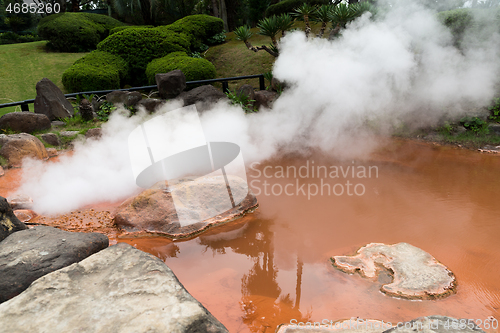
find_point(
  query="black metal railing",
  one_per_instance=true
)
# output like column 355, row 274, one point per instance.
column 225, row 87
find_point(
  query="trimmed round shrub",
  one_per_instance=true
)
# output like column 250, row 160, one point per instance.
column 199, row 27
column 288, row 6
column 75, row 32
column 139, row 46
column 193, row 68
column 96, row 71
column 115, row 30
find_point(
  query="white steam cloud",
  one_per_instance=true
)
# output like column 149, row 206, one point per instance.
column 401, row 68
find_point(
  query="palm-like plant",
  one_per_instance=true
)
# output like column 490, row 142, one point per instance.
column 285, row 22
column 305, row 12
column 323, row 16
column 343, row 14
column 270, row 27
column 243, row 33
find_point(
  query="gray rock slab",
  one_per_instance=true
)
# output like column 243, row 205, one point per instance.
column 68, row 133
column 416, row 274
column 119, row 289
column 30, row 254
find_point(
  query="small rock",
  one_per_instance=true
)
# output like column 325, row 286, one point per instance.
column 490, row 149
column 30, row 254
column 52, row 152
column 86, row 110
column 9, row 223
column 25, row 215
column 95, row 133
column 203, row 97
column 50, row 101
column 124, row 97
column 2, row 172
column 264, row 98
column 277, row 85
column 19, row 146
column 51, row 139
column 3, row 139
column 119, row 289
column 170, row 84
column 150, row 104
column 416, row 274
column 57, row 123
column 494, row 128
column 247, row 90
column 26, row 122
column 68, row 134
column 20, row 201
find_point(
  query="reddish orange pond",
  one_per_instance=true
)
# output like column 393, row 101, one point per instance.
column 273, row 266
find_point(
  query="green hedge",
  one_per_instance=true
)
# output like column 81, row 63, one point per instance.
column 96, row 71
column 198, row 27
column 115, row 30
column 288, row 6
column 75, row 32
column 193, row 68
column 139, row 46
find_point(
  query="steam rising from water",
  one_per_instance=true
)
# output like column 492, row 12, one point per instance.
column 402, row 68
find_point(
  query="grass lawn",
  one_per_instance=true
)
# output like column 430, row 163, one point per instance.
column 234, row 59
column 23, row 65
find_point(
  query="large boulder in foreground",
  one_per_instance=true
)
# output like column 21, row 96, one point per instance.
column 51, row 102
column 19, row 146
column 30, row 254
column 27, row 122
column 416, row 274
column 9, row 223
column 429, row 324
column 119, row 289
column 153, row 210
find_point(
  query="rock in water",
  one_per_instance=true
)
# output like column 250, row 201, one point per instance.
column 50, row 101
column 19, row 146
column 30, row 254
column 153, row 210
column 119, row 289
column 20, row 201
column 26, row 122
column 416, row 274
column 9, row 223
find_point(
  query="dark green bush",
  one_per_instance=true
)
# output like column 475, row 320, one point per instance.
column 458, row 21
column 115, row 30
column 475, row 125
column 96, row 71
column 10, row 37
column 193, row 68
column 288, row 6
column 200, row 28
column 75, row 32
column 139, row 46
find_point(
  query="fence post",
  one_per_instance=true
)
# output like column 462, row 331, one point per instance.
column 262, row 84
column 25, row 107
column 225, row 86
